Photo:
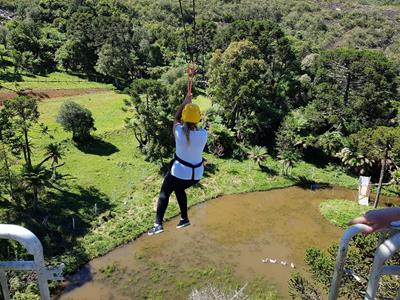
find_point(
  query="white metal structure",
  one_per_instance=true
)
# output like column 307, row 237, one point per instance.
column 384, row 252
column 34, row 247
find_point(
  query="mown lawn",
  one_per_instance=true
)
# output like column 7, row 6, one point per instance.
column 106, row 108
column 56, row 80
column 339, row 211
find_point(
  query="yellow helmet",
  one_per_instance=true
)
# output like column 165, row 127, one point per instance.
column 191, row 113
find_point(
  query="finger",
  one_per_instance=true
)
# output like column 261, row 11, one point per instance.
column 359, row 220
column 370, row 229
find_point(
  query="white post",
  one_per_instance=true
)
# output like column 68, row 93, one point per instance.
column 363, row 190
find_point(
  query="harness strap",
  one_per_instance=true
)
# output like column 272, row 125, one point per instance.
column 187, row 164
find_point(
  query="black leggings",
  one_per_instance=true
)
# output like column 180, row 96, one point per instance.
column 173, row 184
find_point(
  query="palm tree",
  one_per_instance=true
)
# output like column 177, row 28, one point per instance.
column 35, row 178
column 53, row 151
column 287, row 164
column 258, row 154
column 352, row 160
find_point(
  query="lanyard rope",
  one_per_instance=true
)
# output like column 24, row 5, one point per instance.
column 189, row 54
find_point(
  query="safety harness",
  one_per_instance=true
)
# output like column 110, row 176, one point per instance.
column 187, row 164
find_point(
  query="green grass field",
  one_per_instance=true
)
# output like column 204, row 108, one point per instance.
column 56, row 80
column 105, row 106
column 339, row 211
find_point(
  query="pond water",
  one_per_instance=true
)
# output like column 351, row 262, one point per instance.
column 229, row 235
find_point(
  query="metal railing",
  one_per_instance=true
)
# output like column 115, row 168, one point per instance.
column 383, row 252
column 33, row 247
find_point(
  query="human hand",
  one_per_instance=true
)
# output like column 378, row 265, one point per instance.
column 379, row 219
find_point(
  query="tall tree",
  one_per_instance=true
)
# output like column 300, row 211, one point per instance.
column 152, row 120
column 275, row 48
column 381, row 145
column 21, row 113
column 237, row 78
column 5, row 172
column 354, row 89
column 118, row 62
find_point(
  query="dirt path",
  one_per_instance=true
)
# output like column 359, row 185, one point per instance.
column 44, row 94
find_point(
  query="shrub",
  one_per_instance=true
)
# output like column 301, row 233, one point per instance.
column 73, row 117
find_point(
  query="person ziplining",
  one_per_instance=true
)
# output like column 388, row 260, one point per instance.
column 187, row 167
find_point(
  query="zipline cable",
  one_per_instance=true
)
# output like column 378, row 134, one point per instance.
column 194, row 49
column 185, row 32
column 190, row 50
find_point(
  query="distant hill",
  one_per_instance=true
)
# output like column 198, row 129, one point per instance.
column 312, row 25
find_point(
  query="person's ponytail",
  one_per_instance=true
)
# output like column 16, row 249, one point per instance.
column 187, row 127
column 186, row 130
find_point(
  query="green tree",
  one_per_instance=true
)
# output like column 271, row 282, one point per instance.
column 21, row 113
column 380, row 145
column 354, row 89
column 355, row 162
column 105, row 30
column 35, row 178
column 71, row 55
column 36, row 45
column 360, row 256
column 291, row 140
column 53, row 151
column 6, row 173
column 73, row 117
column 117, row 62
column 275, row 49
column 4, row 59
column 152, row 120
column 300, row 288
column 24, row 36
column 17, row 60
column 236, row 83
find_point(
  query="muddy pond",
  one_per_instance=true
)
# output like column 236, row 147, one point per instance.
column 227, row 242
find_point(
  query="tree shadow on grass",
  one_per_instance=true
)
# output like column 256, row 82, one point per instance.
column 268, row 170
column 209, row 169
column 10, row 77
column 309, row 184
column 65, row 215
column 98, row 147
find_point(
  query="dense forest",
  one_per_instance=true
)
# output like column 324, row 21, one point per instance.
column 314, row 81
